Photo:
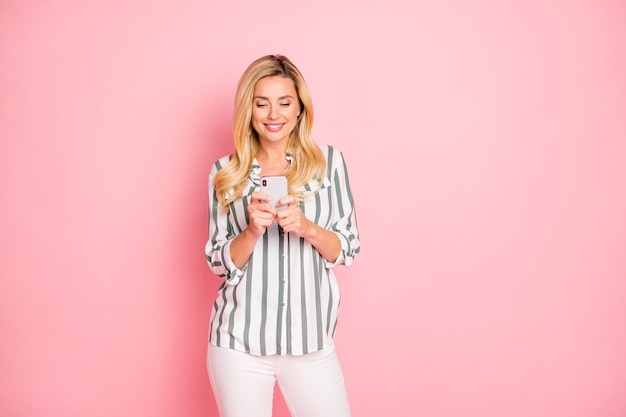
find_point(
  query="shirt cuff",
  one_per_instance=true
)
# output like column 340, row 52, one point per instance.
column 340, row 260
column 233, row 274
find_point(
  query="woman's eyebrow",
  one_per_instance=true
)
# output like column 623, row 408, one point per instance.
column 266, row 98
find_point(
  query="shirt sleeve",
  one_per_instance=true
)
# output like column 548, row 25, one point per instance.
column 345, row 224
column 221, row 234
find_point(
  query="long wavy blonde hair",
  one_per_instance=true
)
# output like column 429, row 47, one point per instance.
column 308, row 159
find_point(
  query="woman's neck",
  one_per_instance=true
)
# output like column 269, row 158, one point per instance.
column 272, row 161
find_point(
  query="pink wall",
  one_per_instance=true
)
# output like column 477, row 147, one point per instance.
column 487, row 147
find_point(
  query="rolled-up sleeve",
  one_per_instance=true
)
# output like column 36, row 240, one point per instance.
column 344, row 222
column 221, row 234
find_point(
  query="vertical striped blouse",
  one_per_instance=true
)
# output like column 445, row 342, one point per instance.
column 285, row 300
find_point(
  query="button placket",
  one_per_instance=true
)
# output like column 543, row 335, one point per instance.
column 283, row 246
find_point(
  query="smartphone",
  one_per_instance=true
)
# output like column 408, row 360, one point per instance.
column 276, row 187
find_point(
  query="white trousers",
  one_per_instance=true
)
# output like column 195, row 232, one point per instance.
column 312, row 384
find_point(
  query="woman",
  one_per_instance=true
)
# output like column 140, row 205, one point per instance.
column 275, row 315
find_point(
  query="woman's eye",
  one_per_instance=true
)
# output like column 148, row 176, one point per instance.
column 285, row 104
column 261, row 105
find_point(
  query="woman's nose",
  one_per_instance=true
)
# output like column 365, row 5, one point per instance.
column 273, row 114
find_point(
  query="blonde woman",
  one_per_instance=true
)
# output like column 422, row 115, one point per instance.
column 275, row 315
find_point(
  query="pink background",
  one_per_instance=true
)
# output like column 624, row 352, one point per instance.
column 486, row 142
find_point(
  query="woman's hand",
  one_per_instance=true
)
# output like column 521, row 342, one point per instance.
column 292, row 219
column 262, row 214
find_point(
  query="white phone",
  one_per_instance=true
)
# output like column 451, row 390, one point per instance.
column 276, row 187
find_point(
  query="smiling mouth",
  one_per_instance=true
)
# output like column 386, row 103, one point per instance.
column 274, row 127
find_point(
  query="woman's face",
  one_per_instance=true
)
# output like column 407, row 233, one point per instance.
column 275, row 109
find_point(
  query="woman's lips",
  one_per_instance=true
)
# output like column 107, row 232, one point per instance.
column 274, row 127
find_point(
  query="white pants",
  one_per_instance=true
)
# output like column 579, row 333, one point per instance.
column 312, row 384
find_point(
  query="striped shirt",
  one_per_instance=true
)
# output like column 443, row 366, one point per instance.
column 285, row 300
